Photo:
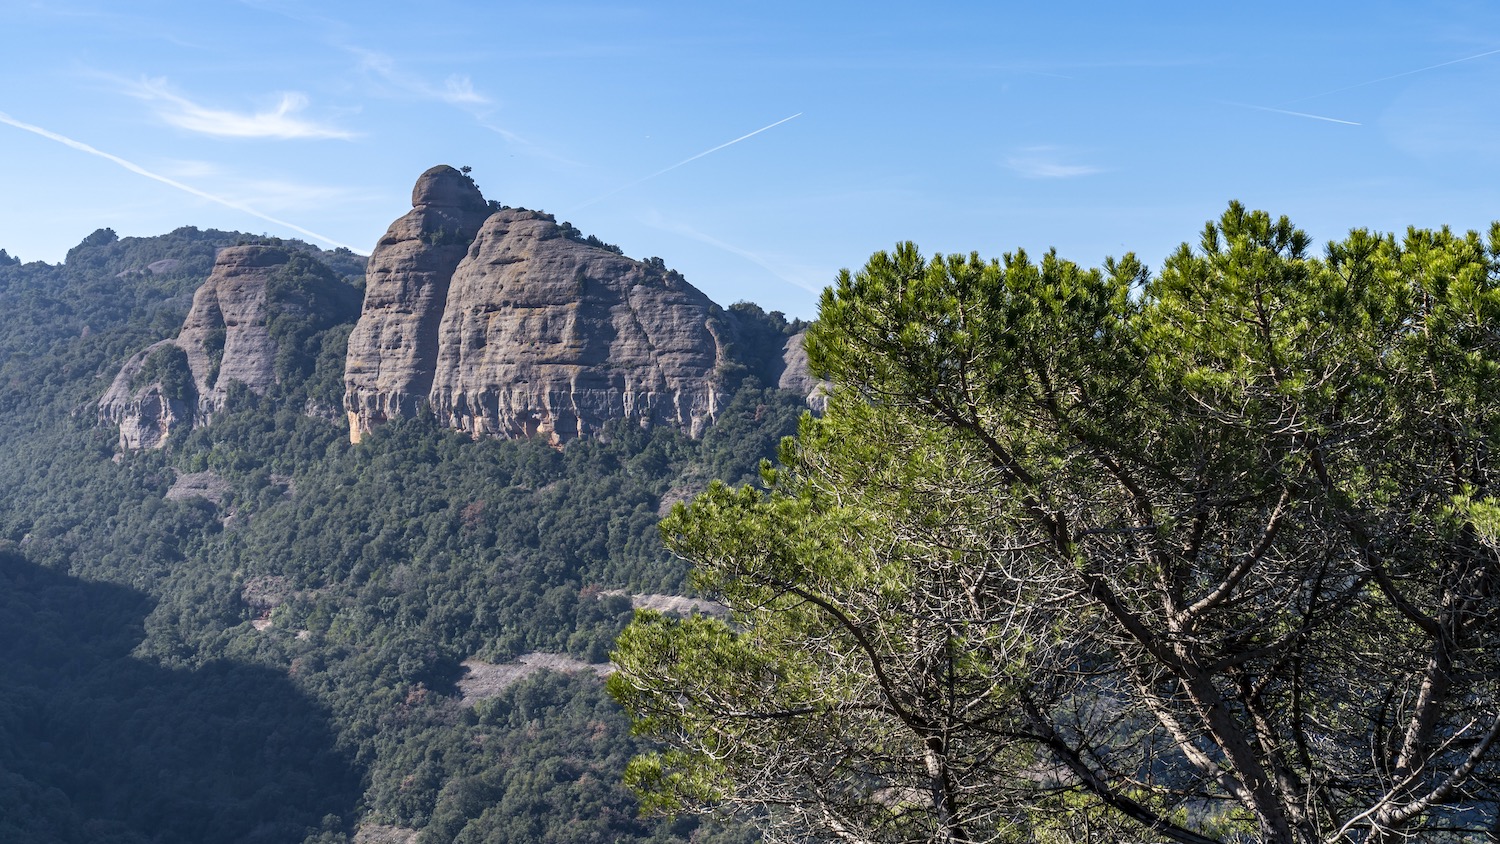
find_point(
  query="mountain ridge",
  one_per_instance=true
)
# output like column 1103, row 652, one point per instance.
column 500, row 321
column 533, row 330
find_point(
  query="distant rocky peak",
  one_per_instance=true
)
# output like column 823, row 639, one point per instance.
column 444, row 187
column 508, row 323
column 393, row 349
column 547, row 335
column 505, row 322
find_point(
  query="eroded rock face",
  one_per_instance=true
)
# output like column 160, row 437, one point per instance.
column 139, row 403
column 797, row 376
column 546, row 335
column 394, row 347
column 529, row 332
column 225, row 335
column 227, row 338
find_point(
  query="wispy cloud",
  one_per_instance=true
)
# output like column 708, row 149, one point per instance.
column 1297, row 114
column 260, row 192
column 688, row 160
column 173, row 183
column 279, row 123
column 656, row 221
column 1044, row 162
column 456, row 90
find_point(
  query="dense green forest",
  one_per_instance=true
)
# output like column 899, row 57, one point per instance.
column 276, row 654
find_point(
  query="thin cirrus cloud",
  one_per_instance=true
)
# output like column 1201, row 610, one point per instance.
column 281, row 123
column 259, row 192
column 656, row 221
column 456, row 90
column 689, row 160
column 1046, row 163
column 1323, row 117
column 137, row 169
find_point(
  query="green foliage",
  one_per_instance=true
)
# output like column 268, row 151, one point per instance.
column 749, row 429
column 375, row 571
column 572, row 233
column 773, row 323
column 223, row 753
column 305, row 299
column 65, row 327
column 167, row 366
column 442, row 236
column 757, row 342
column 1206, row 556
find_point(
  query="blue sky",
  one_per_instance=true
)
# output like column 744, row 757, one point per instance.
column 756, row 147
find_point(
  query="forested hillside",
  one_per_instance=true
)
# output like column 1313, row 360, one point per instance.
column 258, row 632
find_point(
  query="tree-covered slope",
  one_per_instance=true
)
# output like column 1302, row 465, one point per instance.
column 263, row 569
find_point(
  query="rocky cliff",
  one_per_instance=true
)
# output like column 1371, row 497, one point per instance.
column 393, row 350
column 797, row 375
column 538, row 332
column 251, row 323
column 499, row 320
column 546, row 335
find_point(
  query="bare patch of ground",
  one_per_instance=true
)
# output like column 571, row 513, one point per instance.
column 485, row 679
column 266, row 592
column 206, row 485
column 680, row 494
column 678, row 605
column 374, row 833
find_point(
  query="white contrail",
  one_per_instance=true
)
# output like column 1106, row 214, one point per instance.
column 1298, row 114
column 141, row 171
column 680, row 163
column 1395, row 76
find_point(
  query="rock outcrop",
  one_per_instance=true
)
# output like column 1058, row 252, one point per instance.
column 225, row 335
column 498, row 320
column 247, row 322
column 537, row 333
column 393, row 350
column 797, row 375
column 140, row 404
column 547, row 335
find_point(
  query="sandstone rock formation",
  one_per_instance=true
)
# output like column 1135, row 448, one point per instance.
column 394, row 347
column 536, row 332
column 546, row 335
column 797, row 375
column 499, row 320
column 142, row 407
column 257, row 300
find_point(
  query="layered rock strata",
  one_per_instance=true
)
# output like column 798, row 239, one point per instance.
column 499, row 320
column 546, row 335
column 538, row 333
column 393, row 350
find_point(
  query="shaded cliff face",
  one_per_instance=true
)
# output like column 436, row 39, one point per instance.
column 251, row 323
column 394, row 348
column 797, row 375
column 546, row 335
